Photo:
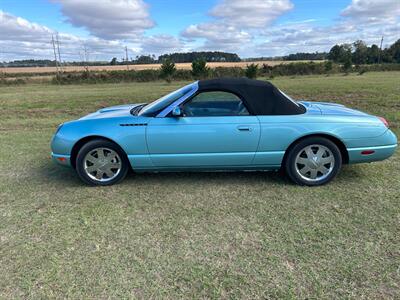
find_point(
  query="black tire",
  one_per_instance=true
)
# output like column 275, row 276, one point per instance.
column 93, row 145
column 290, row 161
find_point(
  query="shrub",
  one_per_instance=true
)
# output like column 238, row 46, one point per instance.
column 292, row 69
column 266, row 70
column 360, row 69
column 300, row 68
column 251, row 71
column 200, row 69
column 7, row 82
column 167, row 70
column 383, row 67
column 328, row 66
column 146, row 75
column 183, row 75
column 347, row 65
column 220, row 72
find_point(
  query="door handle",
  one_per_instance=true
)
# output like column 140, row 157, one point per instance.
column 244, row 128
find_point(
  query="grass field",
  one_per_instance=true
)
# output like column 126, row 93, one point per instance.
column 200, row 235
column 183, row 66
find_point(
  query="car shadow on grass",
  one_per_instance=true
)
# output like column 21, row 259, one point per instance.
column 199, row 178
column 49, row 172
column 67, row 177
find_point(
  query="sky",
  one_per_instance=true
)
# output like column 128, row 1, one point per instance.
column 250, row 28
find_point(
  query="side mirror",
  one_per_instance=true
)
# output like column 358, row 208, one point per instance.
column 177, row 112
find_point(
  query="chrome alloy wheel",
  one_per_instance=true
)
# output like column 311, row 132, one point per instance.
column 314, row 163
column 102, row 164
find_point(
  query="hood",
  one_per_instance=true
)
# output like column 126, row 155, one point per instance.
column 112, row 112
column 328, row 108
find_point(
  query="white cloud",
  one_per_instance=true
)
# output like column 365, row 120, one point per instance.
column 286, row 39
column 235, row 22
column 108, row 19
column 373, row 11
column 18, row 29
column 367, row 20
column 161, row 44
column 250, row 13
column 21, row 39
column 218, row 36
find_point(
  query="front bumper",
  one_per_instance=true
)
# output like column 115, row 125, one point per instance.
column 64, row 160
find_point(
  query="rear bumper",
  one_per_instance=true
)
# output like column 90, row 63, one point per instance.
column 378, row 153
column 64, row 160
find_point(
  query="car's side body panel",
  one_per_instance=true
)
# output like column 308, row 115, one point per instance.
column 203, row 141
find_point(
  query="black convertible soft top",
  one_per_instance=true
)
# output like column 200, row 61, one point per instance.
column 260, row 97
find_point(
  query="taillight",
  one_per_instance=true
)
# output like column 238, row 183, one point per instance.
column 367, row 152
column 384, row 121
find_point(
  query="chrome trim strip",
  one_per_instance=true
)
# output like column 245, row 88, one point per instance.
column 66, row 162
column 66, row 156
column 178, row 102
column 373, row 148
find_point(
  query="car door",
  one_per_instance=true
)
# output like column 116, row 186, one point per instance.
column 214, row 131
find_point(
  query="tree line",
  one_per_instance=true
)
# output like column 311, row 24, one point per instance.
column 209, row 56
column 359, row 53
column 187, row 57
column 292, row 57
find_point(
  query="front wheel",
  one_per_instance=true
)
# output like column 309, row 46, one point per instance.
column 101, row 162
column 313, row 161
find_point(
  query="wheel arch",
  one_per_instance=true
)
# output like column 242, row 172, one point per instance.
column 334, row 139
column 79, row 144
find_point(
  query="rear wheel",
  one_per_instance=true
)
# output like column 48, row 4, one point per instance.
column 101, row 162
column 313, row 161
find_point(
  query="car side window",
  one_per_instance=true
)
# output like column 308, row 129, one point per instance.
column 213, row 104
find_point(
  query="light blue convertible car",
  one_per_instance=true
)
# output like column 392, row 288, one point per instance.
column 222, row 124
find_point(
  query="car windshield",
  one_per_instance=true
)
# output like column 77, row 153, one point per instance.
column 158, row 105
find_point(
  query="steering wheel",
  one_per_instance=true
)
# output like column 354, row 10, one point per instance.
column 187, row 112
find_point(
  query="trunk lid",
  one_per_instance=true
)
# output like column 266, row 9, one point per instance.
column 328, row 108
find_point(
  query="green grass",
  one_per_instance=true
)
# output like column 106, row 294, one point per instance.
column 193, row 235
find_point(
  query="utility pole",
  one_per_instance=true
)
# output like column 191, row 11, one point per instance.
column 380, row 51
column 59, row 55
column 86, row 57
column 126, row 58
column 55, row 54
